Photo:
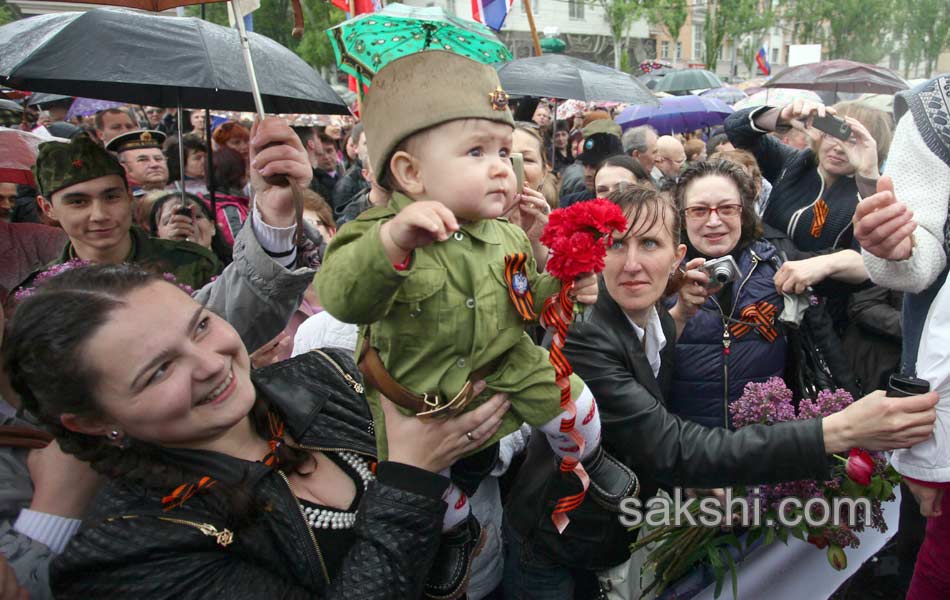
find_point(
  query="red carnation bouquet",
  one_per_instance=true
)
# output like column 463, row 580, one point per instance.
column 578, row 237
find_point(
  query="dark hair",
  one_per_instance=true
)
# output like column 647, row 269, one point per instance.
column 82, row 299
column 325, row 139
column 751, row 224
column 715, row 141
column 229, row 170
column 112, row 111
column 219, row 245
column 304, row 133
column 192, row 143
column 627, row 162
column 645, row 201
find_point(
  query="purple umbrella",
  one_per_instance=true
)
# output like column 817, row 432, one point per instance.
column 83, row 107
column 729, row 95
column 677, row 114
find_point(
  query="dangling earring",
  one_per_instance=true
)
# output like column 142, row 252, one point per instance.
column 118, row 439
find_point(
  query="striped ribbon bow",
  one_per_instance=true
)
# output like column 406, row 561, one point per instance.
column 761, row 316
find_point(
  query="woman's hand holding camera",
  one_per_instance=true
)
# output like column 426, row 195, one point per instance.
column 800, row 113
column 692, row 293
column 861, row 150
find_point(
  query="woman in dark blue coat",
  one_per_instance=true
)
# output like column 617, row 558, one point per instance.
column 732, row 336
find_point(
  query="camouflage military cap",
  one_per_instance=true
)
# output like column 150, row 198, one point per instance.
column 59, row 165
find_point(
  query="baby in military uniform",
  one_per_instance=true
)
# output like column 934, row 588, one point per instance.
column 432, row 278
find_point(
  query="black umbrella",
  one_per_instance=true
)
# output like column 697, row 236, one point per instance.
column 566, row 77
column 686, row 80
column 39, row 99
column 127, row 56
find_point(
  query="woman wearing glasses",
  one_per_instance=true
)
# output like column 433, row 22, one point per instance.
column 717, row 353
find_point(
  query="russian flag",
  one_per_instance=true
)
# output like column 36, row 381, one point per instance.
column 491, row 12
column 761, row 59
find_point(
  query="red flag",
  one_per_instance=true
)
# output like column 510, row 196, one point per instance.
column 360, row 7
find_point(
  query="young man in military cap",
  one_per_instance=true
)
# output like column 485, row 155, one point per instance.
column 140, row 152
column 84, row 188
column 444, row 288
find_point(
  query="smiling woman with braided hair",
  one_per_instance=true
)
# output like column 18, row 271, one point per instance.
column 220, row 483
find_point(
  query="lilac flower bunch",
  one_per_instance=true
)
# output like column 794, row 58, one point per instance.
column 828, row 402
column 764, row 403
column 771, row 402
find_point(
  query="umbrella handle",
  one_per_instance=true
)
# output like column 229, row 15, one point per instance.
column 297, row 33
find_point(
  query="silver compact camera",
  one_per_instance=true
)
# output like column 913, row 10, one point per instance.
column 721, row 271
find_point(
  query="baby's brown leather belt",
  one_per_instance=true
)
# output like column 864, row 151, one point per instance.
column 423, row 405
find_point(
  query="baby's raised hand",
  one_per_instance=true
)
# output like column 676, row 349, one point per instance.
column 419, row 224
column 585, row 289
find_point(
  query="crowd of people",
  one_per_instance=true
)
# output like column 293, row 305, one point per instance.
column 267, row 360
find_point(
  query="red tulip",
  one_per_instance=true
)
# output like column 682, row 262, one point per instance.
column 819, row 541
column 837, row 558
column 860, row 466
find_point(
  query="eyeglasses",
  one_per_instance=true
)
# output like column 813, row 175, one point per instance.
column 702, row 212
column 153, row 111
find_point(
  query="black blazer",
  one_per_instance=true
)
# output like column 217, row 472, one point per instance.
column 663, row 449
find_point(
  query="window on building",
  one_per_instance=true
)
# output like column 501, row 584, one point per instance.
column 775, row 52
column 698, row 42
column 450, row 7
column 664, row 49
column 679, row 50
column 535, row 7
column 576, row 8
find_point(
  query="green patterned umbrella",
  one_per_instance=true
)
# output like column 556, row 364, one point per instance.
column 364, row 44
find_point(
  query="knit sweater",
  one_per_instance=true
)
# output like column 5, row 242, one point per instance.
column 919, row 164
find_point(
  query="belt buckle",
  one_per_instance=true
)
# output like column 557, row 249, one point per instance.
column 435, row 407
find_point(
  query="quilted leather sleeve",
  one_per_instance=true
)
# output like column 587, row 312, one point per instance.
column 399, row 534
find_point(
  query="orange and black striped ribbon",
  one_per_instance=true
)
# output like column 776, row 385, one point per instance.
column 185, row 491
column 275, row 428
column 821, row 214
column 760, row 315
column 556, row 316
column 523, row 300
